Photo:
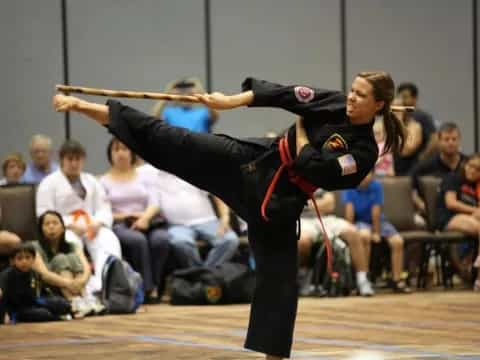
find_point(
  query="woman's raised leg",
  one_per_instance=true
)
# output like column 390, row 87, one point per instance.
column 211, row 162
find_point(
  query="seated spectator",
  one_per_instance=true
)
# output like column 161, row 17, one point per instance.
column 405, row 160
column 135, row 204
column 449, row 159
column 62, row 265
column 42, row 163
column 195, row 117
column 408, row 94
column 384, row 164
column 458, row 202
column 80, row 198
column 191, row 216
column 21, row 290
column 13, row 168
column 335, row 227
column 363, row 207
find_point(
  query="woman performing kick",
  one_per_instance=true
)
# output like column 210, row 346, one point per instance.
column 266, row 181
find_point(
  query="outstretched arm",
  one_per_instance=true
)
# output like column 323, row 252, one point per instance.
column 298, row 99
column 97, row 112
column 301, row 100
column 221, row 101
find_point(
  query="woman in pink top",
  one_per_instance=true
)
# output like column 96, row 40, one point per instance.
column 134, row 206
column 384, row 164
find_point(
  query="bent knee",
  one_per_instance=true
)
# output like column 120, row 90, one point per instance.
column 9, row 241
column 396, row 241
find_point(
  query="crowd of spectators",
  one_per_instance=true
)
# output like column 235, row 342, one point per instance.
column 155, row 221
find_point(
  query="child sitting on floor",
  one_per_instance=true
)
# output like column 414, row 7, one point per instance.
column 21, row 290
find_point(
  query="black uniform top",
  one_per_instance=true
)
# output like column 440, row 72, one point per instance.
column 340, row 154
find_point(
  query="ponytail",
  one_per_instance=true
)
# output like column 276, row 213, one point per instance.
column 384, row 90
column 395, row 133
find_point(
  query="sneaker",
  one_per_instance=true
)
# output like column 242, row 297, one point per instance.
column 305, row 282
column 400, row 287
column 476, row 285
column 81, row 308
column 96, row 305
column 66, row 317
column 365, row 288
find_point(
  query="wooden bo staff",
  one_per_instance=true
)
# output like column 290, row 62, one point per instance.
column 126, row 94
column 401, row 108
column 159, row 96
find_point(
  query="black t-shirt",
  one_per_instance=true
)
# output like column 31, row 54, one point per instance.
column 434, row 166
column 405, row 165
column 428, row 126
column 20, row 288
column 466, row 193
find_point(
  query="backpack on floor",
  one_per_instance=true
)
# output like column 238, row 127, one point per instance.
column 122, row 291
column 343, row 284
column 229, row 283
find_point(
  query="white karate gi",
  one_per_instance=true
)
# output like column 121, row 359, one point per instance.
column 56, row 193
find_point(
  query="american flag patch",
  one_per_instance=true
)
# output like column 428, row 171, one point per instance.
column 348, row 164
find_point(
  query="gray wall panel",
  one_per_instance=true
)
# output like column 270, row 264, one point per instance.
column 144, row 44
column 31, row 65
column 428, row 42
column 278, row 40
column 131, row 45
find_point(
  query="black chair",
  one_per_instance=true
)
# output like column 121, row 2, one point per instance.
column 399, row 210
column 18, row 213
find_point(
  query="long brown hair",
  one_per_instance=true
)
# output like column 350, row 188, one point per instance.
column 63, row 245
column 384, row 90
column 471, row 157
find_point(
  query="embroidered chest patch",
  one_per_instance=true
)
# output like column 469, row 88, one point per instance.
column 335, row 143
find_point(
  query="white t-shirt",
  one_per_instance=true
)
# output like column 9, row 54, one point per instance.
column 180, row 202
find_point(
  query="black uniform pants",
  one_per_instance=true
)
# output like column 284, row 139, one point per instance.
column 213, row 163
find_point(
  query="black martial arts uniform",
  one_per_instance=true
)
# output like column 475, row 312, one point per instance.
column 239, row 172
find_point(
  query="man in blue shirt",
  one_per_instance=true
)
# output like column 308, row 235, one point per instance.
column 194, row 117
column 42, row 163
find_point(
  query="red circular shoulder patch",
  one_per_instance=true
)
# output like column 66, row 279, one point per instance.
column 304, row 94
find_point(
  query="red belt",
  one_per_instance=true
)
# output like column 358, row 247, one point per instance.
column 305, row 186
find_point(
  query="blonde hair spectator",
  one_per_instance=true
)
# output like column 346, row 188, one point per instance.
column 13, row 167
